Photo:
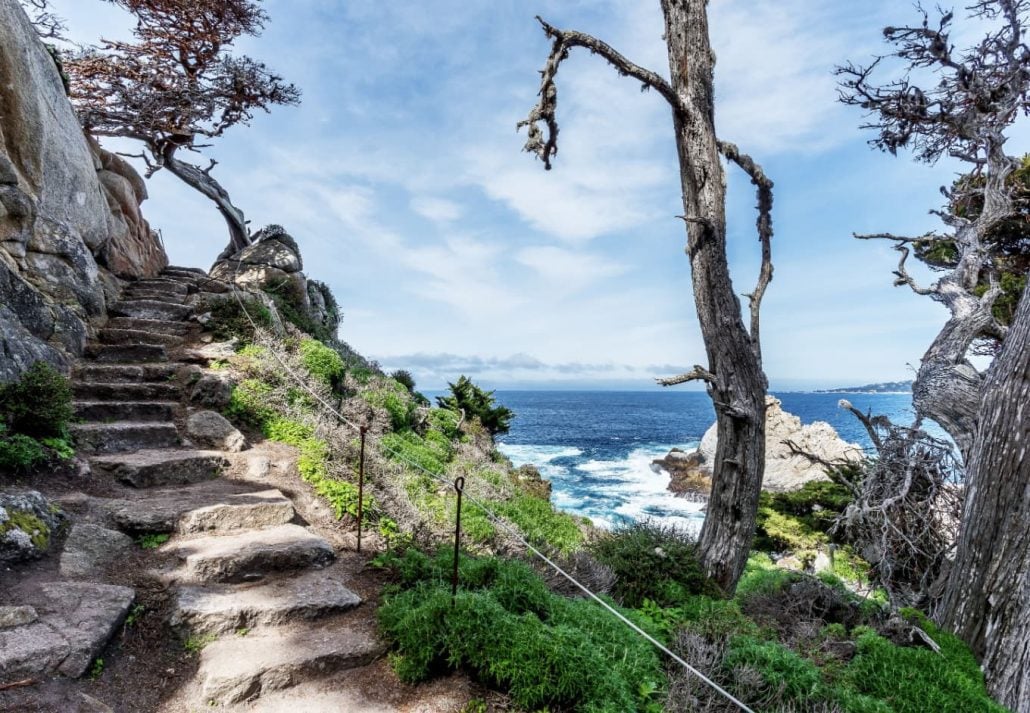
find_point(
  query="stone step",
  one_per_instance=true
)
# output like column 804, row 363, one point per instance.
column 150, row 309
column 161, row 284
column 127, row 391
column 216, row 506
column 136, row 373
column 72, row 623
column 126, row 410
column 347, row 691
column 140, row 293
column 239, row 668
column 123, row 436
column 161, row 468
column 159, row 326
column 132, row 353
column 252, row 554
column 224, row 608
column 180, row 269
column 132, row 336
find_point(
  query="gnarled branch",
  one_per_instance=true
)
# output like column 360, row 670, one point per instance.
column 764, row 188
column 698, row 373
column 546, row 146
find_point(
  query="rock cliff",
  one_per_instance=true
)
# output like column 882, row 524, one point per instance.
column 70, row 224
column 784, row 469
column 272, row 264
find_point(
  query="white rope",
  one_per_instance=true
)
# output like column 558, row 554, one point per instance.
column 495, row 518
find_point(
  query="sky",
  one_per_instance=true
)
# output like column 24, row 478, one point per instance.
column 450, row 251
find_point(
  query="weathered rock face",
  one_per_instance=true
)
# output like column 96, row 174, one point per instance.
column 132, row 249
column 208, row 429
column 273, row 264
column 28, row 522
column 784, row 470
column 69, row 212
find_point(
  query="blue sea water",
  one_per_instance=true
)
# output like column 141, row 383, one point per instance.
column 596, row 447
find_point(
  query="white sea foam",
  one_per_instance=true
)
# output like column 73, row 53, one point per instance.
column 537, row 455
column 611, row 492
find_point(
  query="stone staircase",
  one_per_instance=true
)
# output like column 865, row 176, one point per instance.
column 263, row 591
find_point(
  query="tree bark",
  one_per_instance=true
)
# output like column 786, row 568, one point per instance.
column 738, row 385
column 203, row 181
column 987, row 601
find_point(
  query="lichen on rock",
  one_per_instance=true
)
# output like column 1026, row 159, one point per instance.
column 28, row 522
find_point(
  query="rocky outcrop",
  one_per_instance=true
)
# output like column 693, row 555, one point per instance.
column 784, row 469
column 208, row 429
column 28, row 522
column 133, row 249
column 272, row 264
column 69, row 212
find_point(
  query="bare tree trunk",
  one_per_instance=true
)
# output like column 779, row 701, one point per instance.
column 987, row 601
column 737, row 384
column 734, row 375
column 203, row 181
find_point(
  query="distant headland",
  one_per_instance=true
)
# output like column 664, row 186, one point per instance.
column 887, row 387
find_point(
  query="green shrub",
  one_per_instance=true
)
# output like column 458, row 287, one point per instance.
column 39, row 404
column 291, row 308
column 412, row 448
column 510, row 631
column 397, row 402
column 799, row 520
column 229, row 321
column 653, row 562
column 322, row 362
column 60, row 446
column 715, row 618
column 541, row 523
column 912, row 680
column 445, row 421
column 20, row 453
column 249, row 403
column 477, row 404
column 761, row 576
column 794, row 677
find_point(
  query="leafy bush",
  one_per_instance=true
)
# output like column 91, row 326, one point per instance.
column 652, row 561
column 784, row 671
column 249, row 403
column 413, row 448
column 445, row 421
column 39, row 404
column 800, row 520
column 405, row 379
column 322, row 362
column 20, row 453
column 912, row 680
column 477, row 404
column 229, row 321
column 541, row 523
column 397, row 402
column 510, row 631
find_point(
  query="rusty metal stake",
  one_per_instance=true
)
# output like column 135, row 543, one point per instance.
column 361, row 484
column 459, row 487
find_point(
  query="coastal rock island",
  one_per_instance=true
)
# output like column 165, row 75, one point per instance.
column 691, row 473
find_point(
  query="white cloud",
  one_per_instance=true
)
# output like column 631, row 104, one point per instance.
column 438, row 210
column 568, row 270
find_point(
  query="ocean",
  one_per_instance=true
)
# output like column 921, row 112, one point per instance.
column 596, row 447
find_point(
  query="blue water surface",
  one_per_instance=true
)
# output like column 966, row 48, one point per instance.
column 596, row 447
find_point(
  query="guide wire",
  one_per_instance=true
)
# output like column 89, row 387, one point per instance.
column 492, row 516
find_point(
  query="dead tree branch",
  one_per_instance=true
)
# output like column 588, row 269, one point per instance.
column 698, row 373
column 545, row 146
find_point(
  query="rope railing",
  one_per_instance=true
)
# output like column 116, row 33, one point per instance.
column 491, row 515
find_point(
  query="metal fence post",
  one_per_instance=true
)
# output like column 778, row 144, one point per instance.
column 459, row 487
column 361, row 484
